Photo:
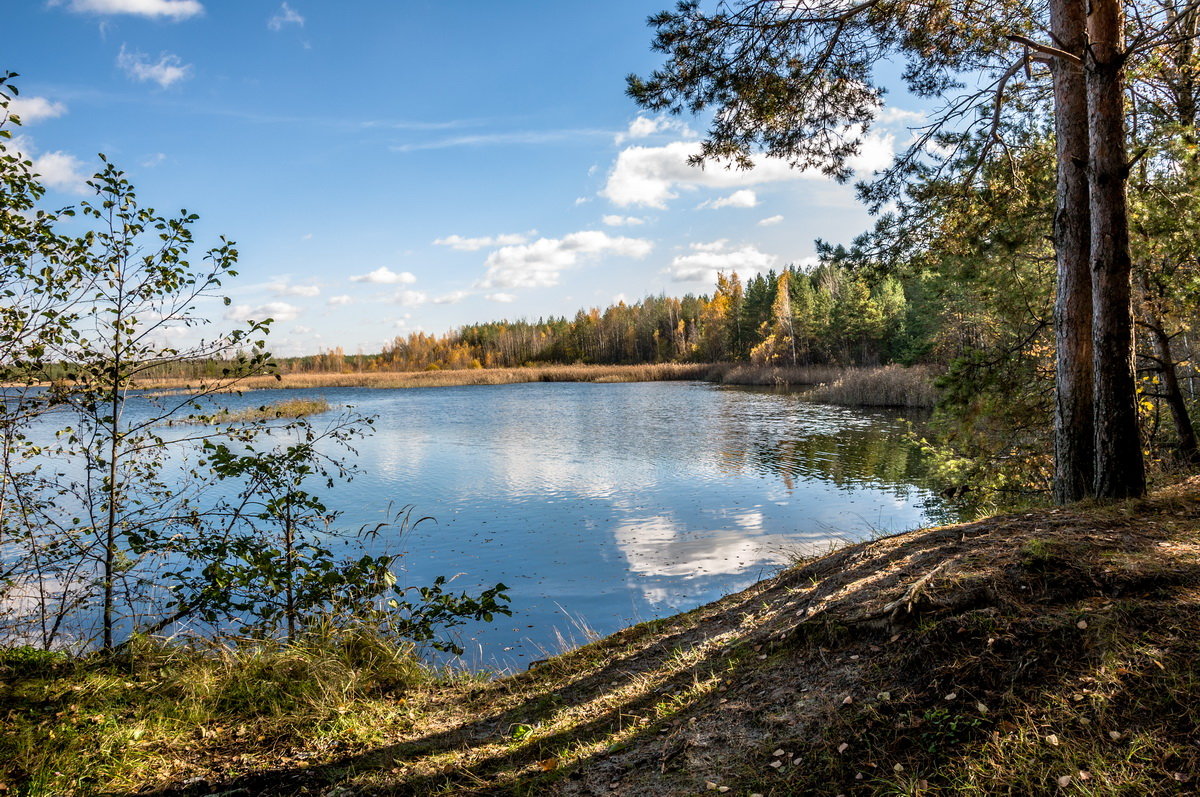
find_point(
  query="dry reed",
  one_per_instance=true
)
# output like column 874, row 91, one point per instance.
column 884, row 386
column 479, row 376
column 778, row 376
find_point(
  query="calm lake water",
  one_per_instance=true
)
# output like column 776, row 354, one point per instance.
column 603, row 505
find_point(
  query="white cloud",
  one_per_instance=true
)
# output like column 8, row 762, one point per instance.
column 899, row 115
column 35, row 109
column 280, row 311
column 385, row 276
column 538, row 264
column 284, row 287
column 744, row 198
column 407, row 298
column 651, row 176
column 454, row 297
column 58, row 170
column 338, row 301
column 169, row 9
column 770, row 220
column 503, row 298
column 646, row 126
column 622, row 221
column 475, row 244
column 150, row 161
column 708, row 259
column 167, row 71
column 286, row 15
column 62, row 171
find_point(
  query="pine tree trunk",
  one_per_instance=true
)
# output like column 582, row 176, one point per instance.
column 1169, row 376
column 1074, row 444
column 1120, row 471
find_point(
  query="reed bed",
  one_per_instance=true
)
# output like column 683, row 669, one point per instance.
column 662, row 372
column 884, row 386
column 881, row 386
column 292, row 408
column 778, row 376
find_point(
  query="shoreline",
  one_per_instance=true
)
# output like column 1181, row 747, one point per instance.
column 1022, row 653
column 865, row 386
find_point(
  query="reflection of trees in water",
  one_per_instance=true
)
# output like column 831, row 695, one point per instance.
column 878, row 455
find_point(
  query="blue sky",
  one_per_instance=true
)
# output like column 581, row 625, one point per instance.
column 387, row 167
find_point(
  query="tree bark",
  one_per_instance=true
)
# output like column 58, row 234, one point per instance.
column 1120, row 471
column 1074, row 445
column 1164, row 360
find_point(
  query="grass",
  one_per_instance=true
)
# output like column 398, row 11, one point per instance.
column 1042, row 652
column 884, row 386
column 477, row 376
column 891, row 385
column 75, row 726
column 292, row 408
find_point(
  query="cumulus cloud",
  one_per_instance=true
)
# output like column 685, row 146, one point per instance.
column 769, row 221
column 646, row 126
column 503, row 298
column 454, row 297
column 35, row 109
column 385, row 276
column 156, row 9
column 284, row 287
column 280, row 311
column 538, row 264
column 899, row 115
column 168, row 70
column 708, row 259
column 63, row 171
column 407, row 298
column 651, row 176
column 745, row 198
column 58, row 170
column 475, row 244
column 286, row 15
column 622, row 221
column 338, row 301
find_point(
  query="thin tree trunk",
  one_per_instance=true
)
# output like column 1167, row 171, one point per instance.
column 1120, row 471
column 1168, row 374
column 1074, row 444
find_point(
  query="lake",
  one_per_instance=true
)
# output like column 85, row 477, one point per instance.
column 604, row 505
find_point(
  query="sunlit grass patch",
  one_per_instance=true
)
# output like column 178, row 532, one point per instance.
column 289, row 409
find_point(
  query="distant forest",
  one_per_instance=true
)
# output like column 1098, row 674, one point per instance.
column 831, row 315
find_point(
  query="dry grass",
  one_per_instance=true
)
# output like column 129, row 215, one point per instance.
column 1008, row 656
column 777, row 376
column 885, row 386
column 890, row 385
column 479, row 376
column 292, row 408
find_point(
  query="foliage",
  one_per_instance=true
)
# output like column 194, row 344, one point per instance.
column 117, row 523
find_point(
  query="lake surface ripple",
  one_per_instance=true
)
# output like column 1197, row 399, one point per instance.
column 603, row 505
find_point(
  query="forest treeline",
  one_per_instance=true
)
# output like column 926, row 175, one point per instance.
column 827, row 316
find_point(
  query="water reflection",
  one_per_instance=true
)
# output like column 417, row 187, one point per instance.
column 616, row 503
